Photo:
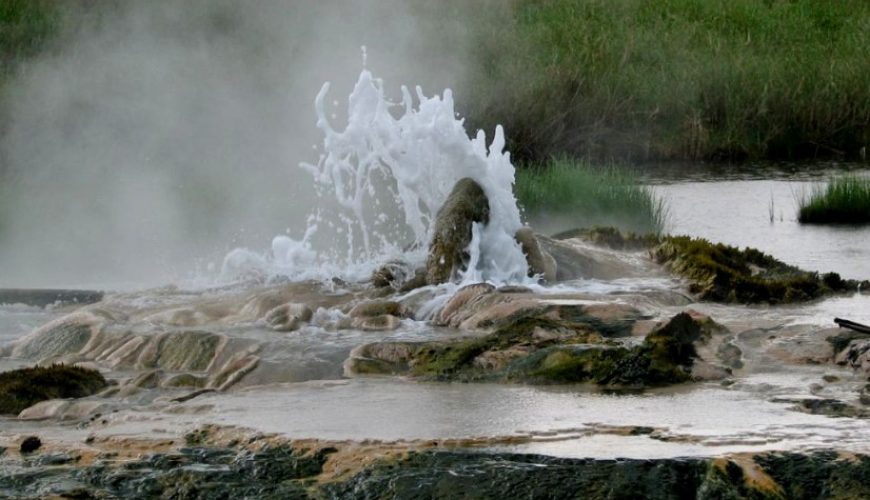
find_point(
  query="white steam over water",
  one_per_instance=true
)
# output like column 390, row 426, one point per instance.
column 389, row 171
column 151, row 138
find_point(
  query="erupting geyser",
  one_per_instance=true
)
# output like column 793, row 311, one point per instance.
column 381, row 181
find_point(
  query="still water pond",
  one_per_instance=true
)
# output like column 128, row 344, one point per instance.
column 759, row 209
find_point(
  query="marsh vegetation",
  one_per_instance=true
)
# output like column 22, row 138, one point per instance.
column 591, row 195
column 843, row 200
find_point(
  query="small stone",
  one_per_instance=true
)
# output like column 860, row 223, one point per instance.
column 540, row 262
column 384, row 322
column 288, row 317
column 55, row 459
column 394, row 274
column 376, row 308
column 30, row 444
column 830, row 378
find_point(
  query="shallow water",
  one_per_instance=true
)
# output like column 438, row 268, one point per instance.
column 565, row 421
column 737, row 211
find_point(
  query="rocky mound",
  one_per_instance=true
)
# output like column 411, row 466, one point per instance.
column 535, row 341
column 723, row 273
column 20, row 389
column 258, row 466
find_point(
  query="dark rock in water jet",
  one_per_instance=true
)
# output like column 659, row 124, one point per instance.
column 399, row 276
column 30, row 444
column 20, row 389
column 465, row 205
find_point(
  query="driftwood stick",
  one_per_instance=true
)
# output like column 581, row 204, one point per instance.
column 858, row 327
column 44, row 297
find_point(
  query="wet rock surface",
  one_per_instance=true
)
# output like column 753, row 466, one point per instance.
column 541, row 263
column 481, row 475
column 169, row 351
column 726, row 274
column 256, row 466
column 465, row 205
column 543, row 347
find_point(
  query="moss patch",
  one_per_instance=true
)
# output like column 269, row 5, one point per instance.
column 20, row 389
column 724, row 273
column 665, row 357
column 455, row 360
column 572, row 355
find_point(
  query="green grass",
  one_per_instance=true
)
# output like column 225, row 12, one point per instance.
column 676, row 79
column 844, row 200
column 586, row 195
column 25, row 27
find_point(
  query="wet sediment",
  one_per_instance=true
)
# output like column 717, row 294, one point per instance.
column 221, row 463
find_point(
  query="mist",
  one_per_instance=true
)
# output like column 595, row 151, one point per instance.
column 156, row 136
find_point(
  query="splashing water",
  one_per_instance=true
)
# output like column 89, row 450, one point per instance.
column 381, row 181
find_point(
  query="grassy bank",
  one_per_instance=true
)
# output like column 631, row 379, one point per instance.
column 628, row 79
column 678, row 79
column 844, row 200
column 570, row 193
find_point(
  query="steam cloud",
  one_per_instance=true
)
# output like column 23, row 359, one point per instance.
column 161, row 134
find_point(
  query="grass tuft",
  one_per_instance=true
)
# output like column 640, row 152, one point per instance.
column 585, row 195
column 844, row 200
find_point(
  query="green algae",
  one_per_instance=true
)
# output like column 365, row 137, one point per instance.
column 665, row 357
column 725, row 273
column 192, row 350
column 20, row 389
column 456, row 359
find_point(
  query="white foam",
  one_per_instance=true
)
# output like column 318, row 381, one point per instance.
column 388, row 176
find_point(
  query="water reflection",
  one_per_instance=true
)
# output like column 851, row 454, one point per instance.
column 763, row 214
